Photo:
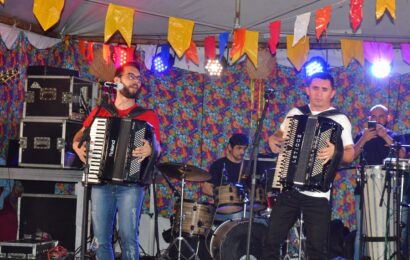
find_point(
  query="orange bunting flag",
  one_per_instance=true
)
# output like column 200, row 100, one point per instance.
column 192, row 54
column 297, row 54
column 180, row 34
column 251, row 46
column 382, row 5
column 352, row 49
column 106, row 53
column 238, row 44
column 47, row 12
column 322, row 20
column 2, row 2
column 119, row 18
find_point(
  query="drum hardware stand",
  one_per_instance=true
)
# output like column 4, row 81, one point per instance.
column 361, row 184
column 398, row 193
column 269, row 93
column 180, row 238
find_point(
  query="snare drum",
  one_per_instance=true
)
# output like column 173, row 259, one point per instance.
column 374, row 216
column 390, row 164
column 197, row 218
column 228, row 199
column 229, row 240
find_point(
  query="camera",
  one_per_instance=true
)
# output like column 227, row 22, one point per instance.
column 371, row 124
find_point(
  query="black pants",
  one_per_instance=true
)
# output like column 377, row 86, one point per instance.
column 316, row 218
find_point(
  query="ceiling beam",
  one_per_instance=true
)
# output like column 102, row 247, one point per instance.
column 31, row 27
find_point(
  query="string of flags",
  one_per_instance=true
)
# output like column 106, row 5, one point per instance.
column 244, row 42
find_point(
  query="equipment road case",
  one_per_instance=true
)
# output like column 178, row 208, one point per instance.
column 48, row 143
column 26, row 249
column 63, row 97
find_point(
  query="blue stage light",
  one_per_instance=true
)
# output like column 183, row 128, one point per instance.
column 162, row 61
column 381, row 69
column 315, row 65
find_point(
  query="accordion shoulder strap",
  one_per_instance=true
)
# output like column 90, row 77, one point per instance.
column 306, row 111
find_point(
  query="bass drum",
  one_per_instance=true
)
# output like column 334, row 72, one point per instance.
column 229, row 240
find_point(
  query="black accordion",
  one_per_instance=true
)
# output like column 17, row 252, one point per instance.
column 297, row 165
column 112, row 141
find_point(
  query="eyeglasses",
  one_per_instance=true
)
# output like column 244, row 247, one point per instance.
column 131, row 76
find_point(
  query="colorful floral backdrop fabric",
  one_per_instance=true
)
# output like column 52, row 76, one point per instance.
column 198, row 113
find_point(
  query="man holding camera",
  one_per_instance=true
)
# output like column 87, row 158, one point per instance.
column 373, row 143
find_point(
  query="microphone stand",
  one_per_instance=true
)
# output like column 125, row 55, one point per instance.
column 254, row 156
column 86, row 138
column 361, row 201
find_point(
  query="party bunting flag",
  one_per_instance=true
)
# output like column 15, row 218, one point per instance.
column 209, row 47
column 251, row 46
column 383, row 5
column 2, row 2
column 238, row 43
column 352, row 49
column 301, row 26
column 356, row 13
column 405, row 52
column 47, row 12
column 106, row 53
column 374, row 51
column 90, row 52
column 274, row 28
column 192, row 54
column 223, row 41
column 119, row 18
column 322, row 20
column 180, row 34
column 81, row 48
column 297, row 54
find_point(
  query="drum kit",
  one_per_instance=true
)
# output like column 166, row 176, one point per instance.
column 194, row 219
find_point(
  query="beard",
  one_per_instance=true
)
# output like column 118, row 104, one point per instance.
column 125, row 91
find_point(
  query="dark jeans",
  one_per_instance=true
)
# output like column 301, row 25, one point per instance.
column 316, row 218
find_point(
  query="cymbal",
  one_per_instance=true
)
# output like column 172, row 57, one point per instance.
column 181, row 170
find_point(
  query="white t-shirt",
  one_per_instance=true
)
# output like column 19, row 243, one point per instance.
column 347, row 139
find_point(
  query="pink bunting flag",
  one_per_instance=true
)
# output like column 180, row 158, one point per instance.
column 405, row 52
column 374, row 51
column 274, row 28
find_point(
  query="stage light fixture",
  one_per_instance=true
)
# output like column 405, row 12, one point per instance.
column 163, row 61
column 315, row 65
column 214, row 67
column 381, row 69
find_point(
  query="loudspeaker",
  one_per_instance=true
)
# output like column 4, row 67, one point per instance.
column 44, row 215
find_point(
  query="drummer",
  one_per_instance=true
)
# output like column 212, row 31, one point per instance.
column 372, row 145
column 226, row 170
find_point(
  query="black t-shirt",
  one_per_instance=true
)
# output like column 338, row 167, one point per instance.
column 232, row 171
column 375, row 150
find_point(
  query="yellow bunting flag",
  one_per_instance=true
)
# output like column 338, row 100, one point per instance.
column 180, row 34
column 297, row 54
column 119, row 18
column 352, row 49
column 382, row 5
column 2, row 2
column 251, row 46
column 47, row 12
